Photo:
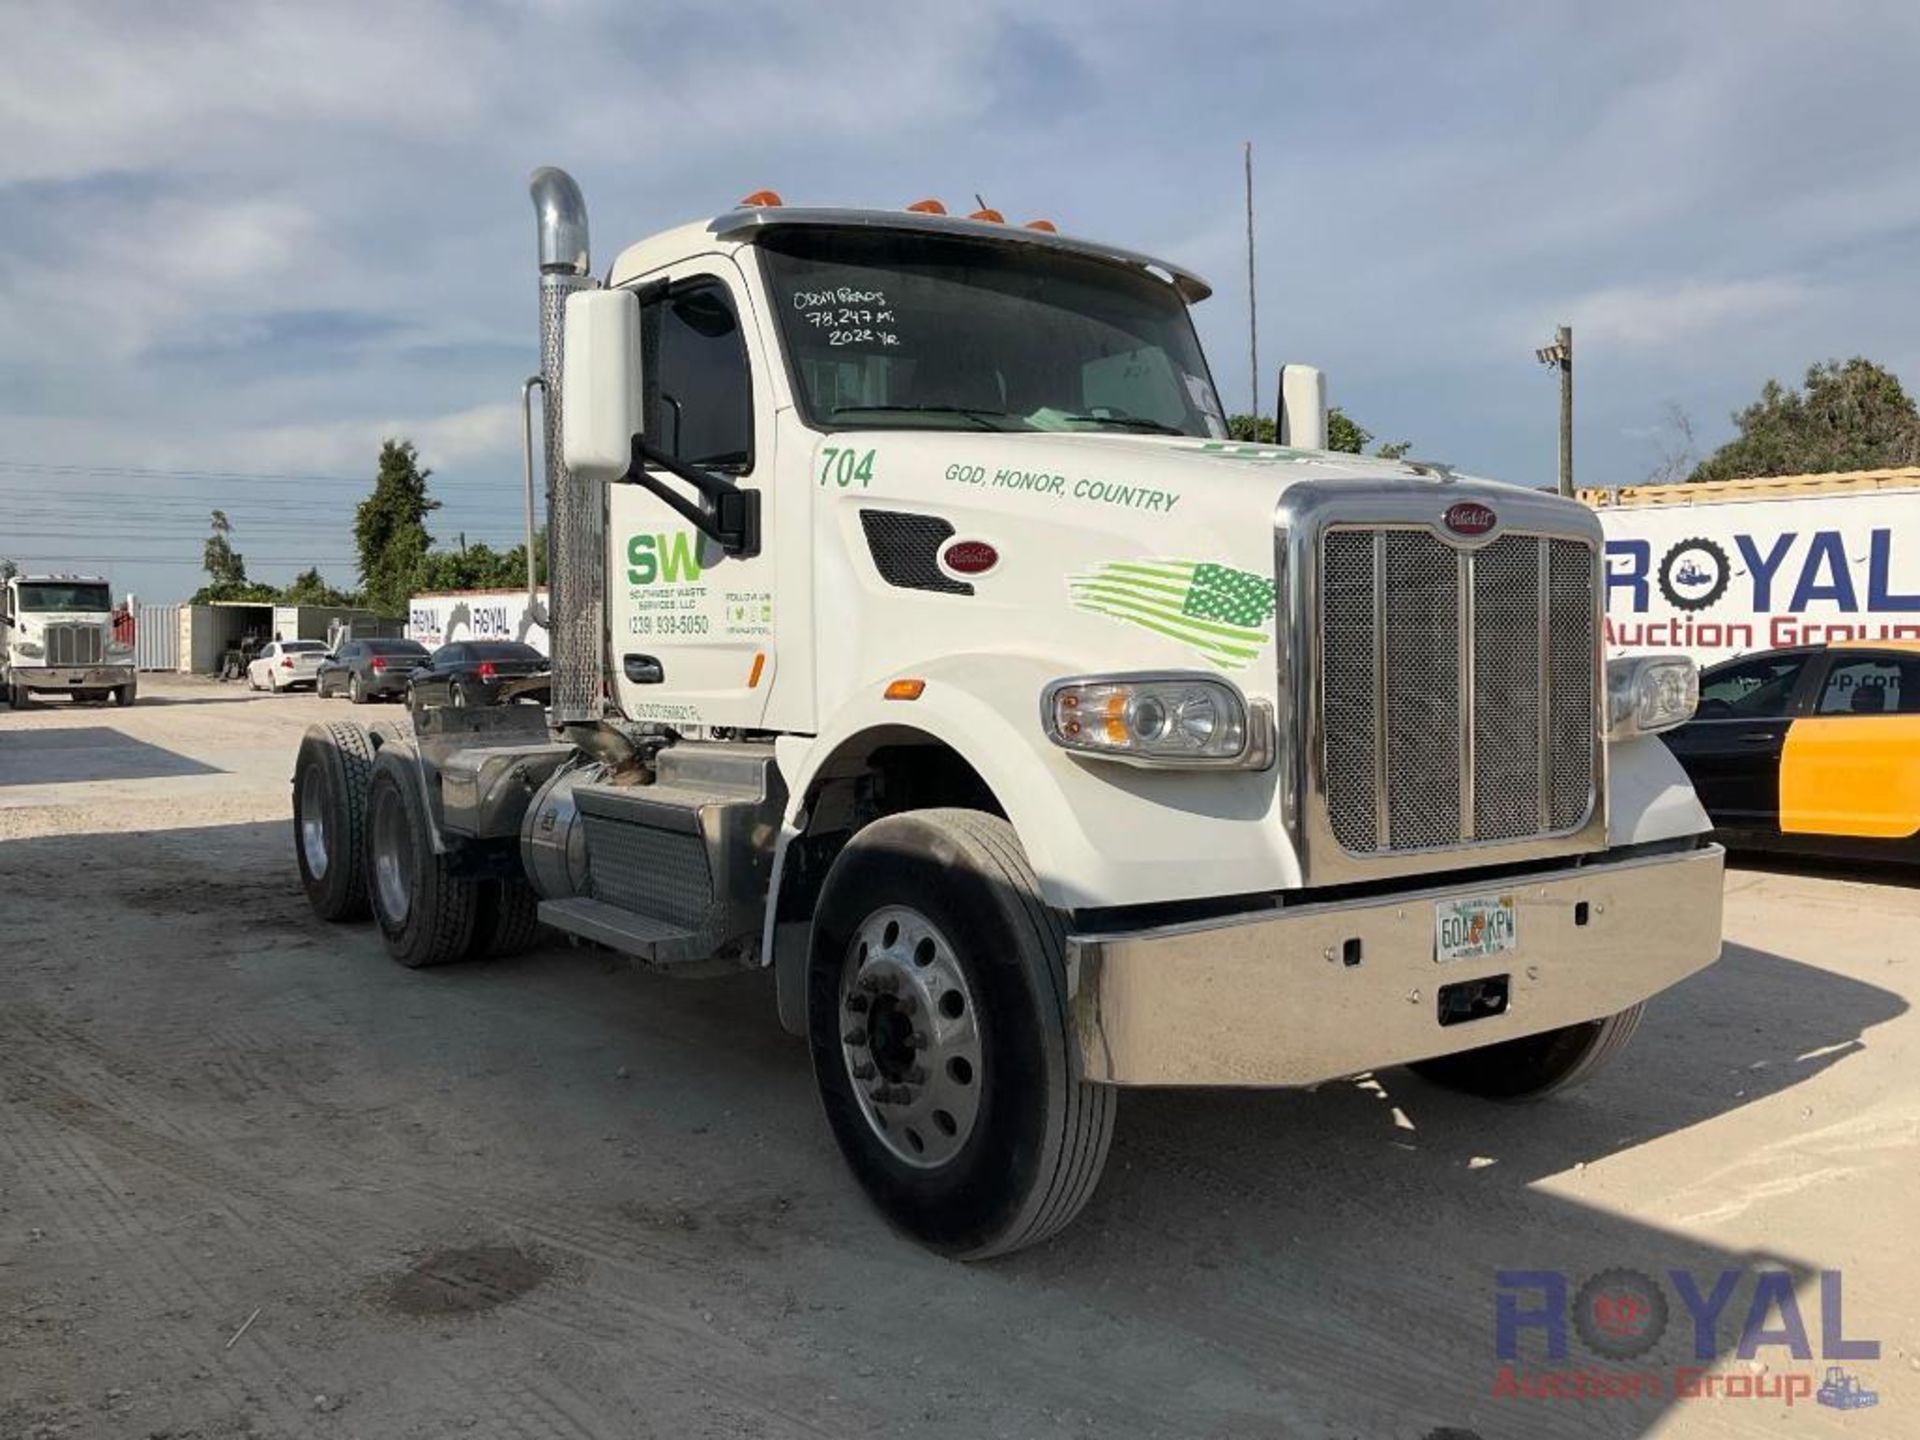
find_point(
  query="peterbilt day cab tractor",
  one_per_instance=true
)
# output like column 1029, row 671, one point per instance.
column 918, row 634
column 56, row 635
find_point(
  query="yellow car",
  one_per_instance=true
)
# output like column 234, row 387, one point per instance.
column 1815, row 749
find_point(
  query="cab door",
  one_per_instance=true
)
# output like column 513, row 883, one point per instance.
column 1731, row 748
column 1852, row 764
column 691, row 628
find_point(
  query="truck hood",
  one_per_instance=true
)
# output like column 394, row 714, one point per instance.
column 1138, row 549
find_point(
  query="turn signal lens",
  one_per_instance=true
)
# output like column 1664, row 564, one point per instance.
column 1158, row 720
column 1650, row 693
column 905, row 689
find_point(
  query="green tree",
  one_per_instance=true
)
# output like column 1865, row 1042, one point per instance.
column 7, row 569
column 1847, row 416
column 389, row 529
column 226, row 568
column 1344, row 433
column 310, row 587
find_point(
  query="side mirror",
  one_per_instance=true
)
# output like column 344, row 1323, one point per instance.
column 600, row 410
column 1303, row 407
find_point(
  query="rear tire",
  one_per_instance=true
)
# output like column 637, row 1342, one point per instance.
column 507, row 921
column 330, row 782
column 426, row 912
column 941, row 1036
column 1534, row 1066
column 356, row 692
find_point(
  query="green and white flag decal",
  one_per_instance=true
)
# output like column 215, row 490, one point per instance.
column 1221, row 612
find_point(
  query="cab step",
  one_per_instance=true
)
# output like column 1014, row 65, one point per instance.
column 678, row 870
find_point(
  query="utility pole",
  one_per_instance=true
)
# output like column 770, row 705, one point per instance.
column 1559, row 356
column 1253, row 323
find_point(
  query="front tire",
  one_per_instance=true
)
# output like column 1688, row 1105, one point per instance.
column 426, row 911
column 331, row 776
column 19, row 696
column 941, row 1036
column 1534, row 1066
column 123, row 695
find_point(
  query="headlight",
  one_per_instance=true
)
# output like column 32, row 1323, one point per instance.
column 29, row 647
column 120, row 652
column 1650, row 693
column 1159, row 719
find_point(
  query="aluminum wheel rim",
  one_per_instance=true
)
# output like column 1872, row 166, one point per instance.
column 313, row 828
column 910, row 1037
column 393, row 862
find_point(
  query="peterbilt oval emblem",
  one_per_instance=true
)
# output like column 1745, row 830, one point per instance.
column 969, row 557
column 1469, row 517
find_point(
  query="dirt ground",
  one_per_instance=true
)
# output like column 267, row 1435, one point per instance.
column 255, row 1179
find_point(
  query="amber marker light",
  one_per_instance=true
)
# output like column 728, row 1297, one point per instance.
column 905, row 689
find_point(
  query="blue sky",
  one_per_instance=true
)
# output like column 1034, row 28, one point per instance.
column 254, row 240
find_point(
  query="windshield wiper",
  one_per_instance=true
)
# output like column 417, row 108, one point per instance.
column 1129, row 422
column 964, row 411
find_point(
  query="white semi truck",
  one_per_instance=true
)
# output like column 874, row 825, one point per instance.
column 56, row 635
column 917, row 634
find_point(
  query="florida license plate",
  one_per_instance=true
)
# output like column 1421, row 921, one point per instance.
column 1474, row 926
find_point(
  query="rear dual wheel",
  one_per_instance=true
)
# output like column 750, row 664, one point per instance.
column 942, row 1040
column 429, row 910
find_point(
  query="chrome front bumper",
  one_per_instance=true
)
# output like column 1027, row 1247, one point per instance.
column 72, row 677
column 1268, row 998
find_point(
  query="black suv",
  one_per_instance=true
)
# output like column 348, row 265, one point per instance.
column 364, row 670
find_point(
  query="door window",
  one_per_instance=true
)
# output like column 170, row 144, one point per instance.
column 1757, row 689
column 699, row 400
column 1872, row 685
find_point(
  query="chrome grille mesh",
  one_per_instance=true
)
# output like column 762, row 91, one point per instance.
column 1506, row 689
column 73, row 645
column 1570, row 667
column 1422, row 613
column 1346, row 638
column 1457, row 687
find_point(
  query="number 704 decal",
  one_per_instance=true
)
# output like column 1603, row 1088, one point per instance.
column 843, row 467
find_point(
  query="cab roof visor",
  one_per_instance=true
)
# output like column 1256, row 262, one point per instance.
column 741, row 225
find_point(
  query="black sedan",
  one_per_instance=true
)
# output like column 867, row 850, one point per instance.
column 364, row 670
column 477, row 672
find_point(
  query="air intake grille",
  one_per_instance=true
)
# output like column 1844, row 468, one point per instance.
column 1457, row 688
column 73, row 645
column 906, row 548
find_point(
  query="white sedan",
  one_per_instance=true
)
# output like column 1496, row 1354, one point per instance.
column 287, row 664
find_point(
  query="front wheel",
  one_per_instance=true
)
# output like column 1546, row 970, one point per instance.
column 1534, row 1066
column 18, row 696
column 123, row 695
column 941, row 1037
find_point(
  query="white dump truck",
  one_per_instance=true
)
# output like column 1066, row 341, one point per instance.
column 56, row 635
column 918, row 635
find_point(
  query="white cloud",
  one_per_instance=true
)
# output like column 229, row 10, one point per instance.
column 1654, row 315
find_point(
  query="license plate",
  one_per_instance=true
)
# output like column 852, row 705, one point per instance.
column 1474, row 926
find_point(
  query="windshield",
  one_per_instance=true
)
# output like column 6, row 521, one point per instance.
column 891, row 328
column 64, row 597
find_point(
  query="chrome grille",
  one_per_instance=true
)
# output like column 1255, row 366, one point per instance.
column 73, row 645
column 1457, row 687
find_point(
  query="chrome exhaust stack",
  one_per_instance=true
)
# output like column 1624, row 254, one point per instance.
column 576, row 511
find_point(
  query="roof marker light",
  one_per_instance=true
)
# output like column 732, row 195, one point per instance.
column 990, row 215
column 928, row 206
column 762, row 199
column 1046, row 225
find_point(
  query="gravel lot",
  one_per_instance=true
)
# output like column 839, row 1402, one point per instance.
column 551, row 1197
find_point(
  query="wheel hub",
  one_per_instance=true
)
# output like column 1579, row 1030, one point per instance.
column 313, row 828
column 911, row 1037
